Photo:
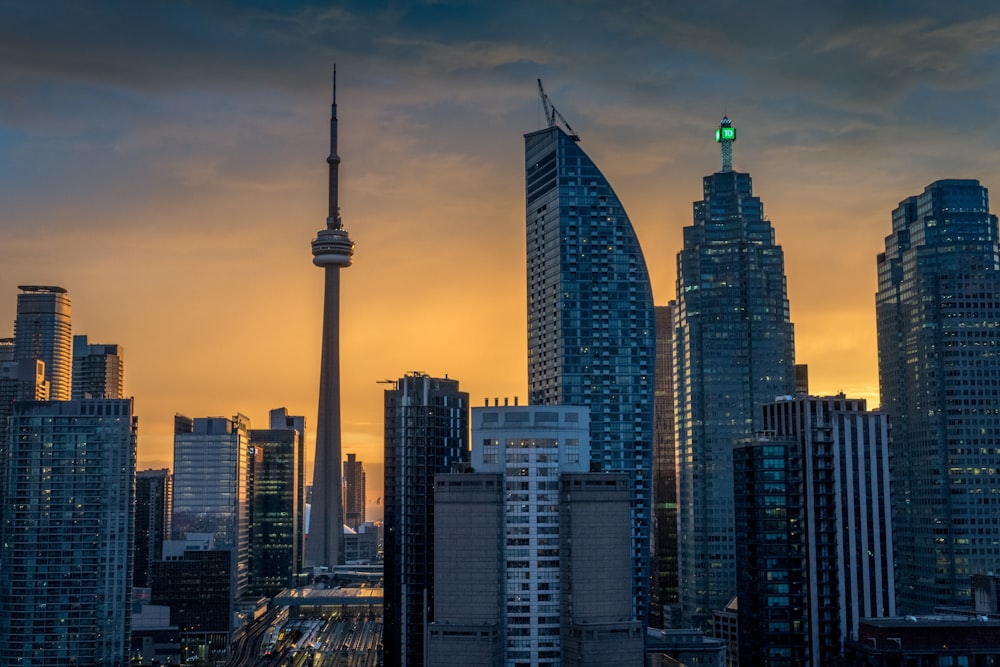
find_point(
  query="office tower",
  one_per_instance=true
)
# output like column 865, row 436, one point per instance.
column 280, row 419
column 733, row 351
column 354, row 491
column 814, row 533
column 98, row 369
column 936, row 312
column 332, row 251
column 195, row 580
column 43, row 330
column 153, row 505
column 590, row 319
column 532, row 552
column 663, row 591
column 276, row 533
column 212, row 487
column 66, row 544
column 426, row 432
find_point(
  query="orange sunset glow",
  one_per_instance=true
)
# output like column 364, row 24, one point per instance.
column 167, row 167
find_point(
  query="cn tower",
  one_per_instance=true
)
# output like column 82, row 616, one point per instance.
column 332, row 251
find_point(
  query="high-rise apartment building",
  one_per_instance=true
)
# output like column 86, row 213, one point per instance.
column 532, row 551
column 332, row 251
column 733, row 351
column 426, row 432
column 814, row 530
column 153, row 505
column 590, row 319
column 98, row 369
column 66, row 542
column 212, row 487
column 276, row 539
column 937, row 311
column 43, row 330
column 354, row 491
column 663, row 589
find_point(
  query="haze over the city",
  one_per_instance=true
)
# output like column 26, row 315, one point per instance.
column 165, row 163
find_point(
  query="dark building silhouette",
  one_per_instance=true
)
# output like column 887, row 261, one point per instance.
column 591, row 327
column 426, row 432
column 196, row 581
column 153, row 503
column 663, row 591
column 276, row 533
column 733, row 350
column 936, row 311
column 354, row 491
column 98, row 369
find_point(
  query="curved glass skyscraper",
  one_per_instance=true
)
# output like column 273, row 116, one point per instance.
column 590, row 319
column 733, row 351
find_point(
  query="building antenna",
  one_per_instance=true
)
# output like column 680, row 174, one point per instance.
column 725, row 136
column 551, row 114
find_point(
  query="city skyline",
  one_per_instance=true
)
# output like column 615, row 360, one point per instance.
column 166, row 168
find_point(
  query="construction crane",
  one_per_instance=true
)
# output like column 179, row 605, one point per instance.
column 394, row 383
column 551, row 113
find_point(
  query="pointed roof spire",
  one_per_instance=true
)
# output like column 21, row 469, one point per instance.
column 333, row 217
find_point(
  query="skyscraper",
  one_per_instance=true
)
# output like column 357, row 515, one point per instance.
column 153, row 506
column 939, row 376
column 66, row 542
column 354, row 491
column 532, row 552
column 211, row 487
column 276, row 533
column 733, row 351
column 279, row 418
column 332, row 251
column 590, row 319
column 98, row 369
column 43, row 330
column 663, row 593
column 814, row 530
column 426, row 432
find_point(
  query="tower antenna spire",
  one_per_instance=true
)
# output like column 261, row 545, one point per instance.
column 725, row 136
column 333, row 217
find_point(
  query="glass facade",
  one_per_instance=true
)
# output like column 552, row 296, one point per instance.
column 938, row 319
column 65, row 584
column 733, row 351
column 276, row 533
column 813, row 530
column 663, row 593
column 153, row 504
column 212, row 470
column 43, row 330
column 590, row 319
column 426, row 432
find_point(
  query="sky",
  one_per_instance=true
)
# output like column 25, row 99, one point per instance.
column 165, row 162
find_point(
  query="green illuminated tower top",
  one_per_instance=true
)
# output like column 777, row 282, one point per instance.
column 726, row 135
